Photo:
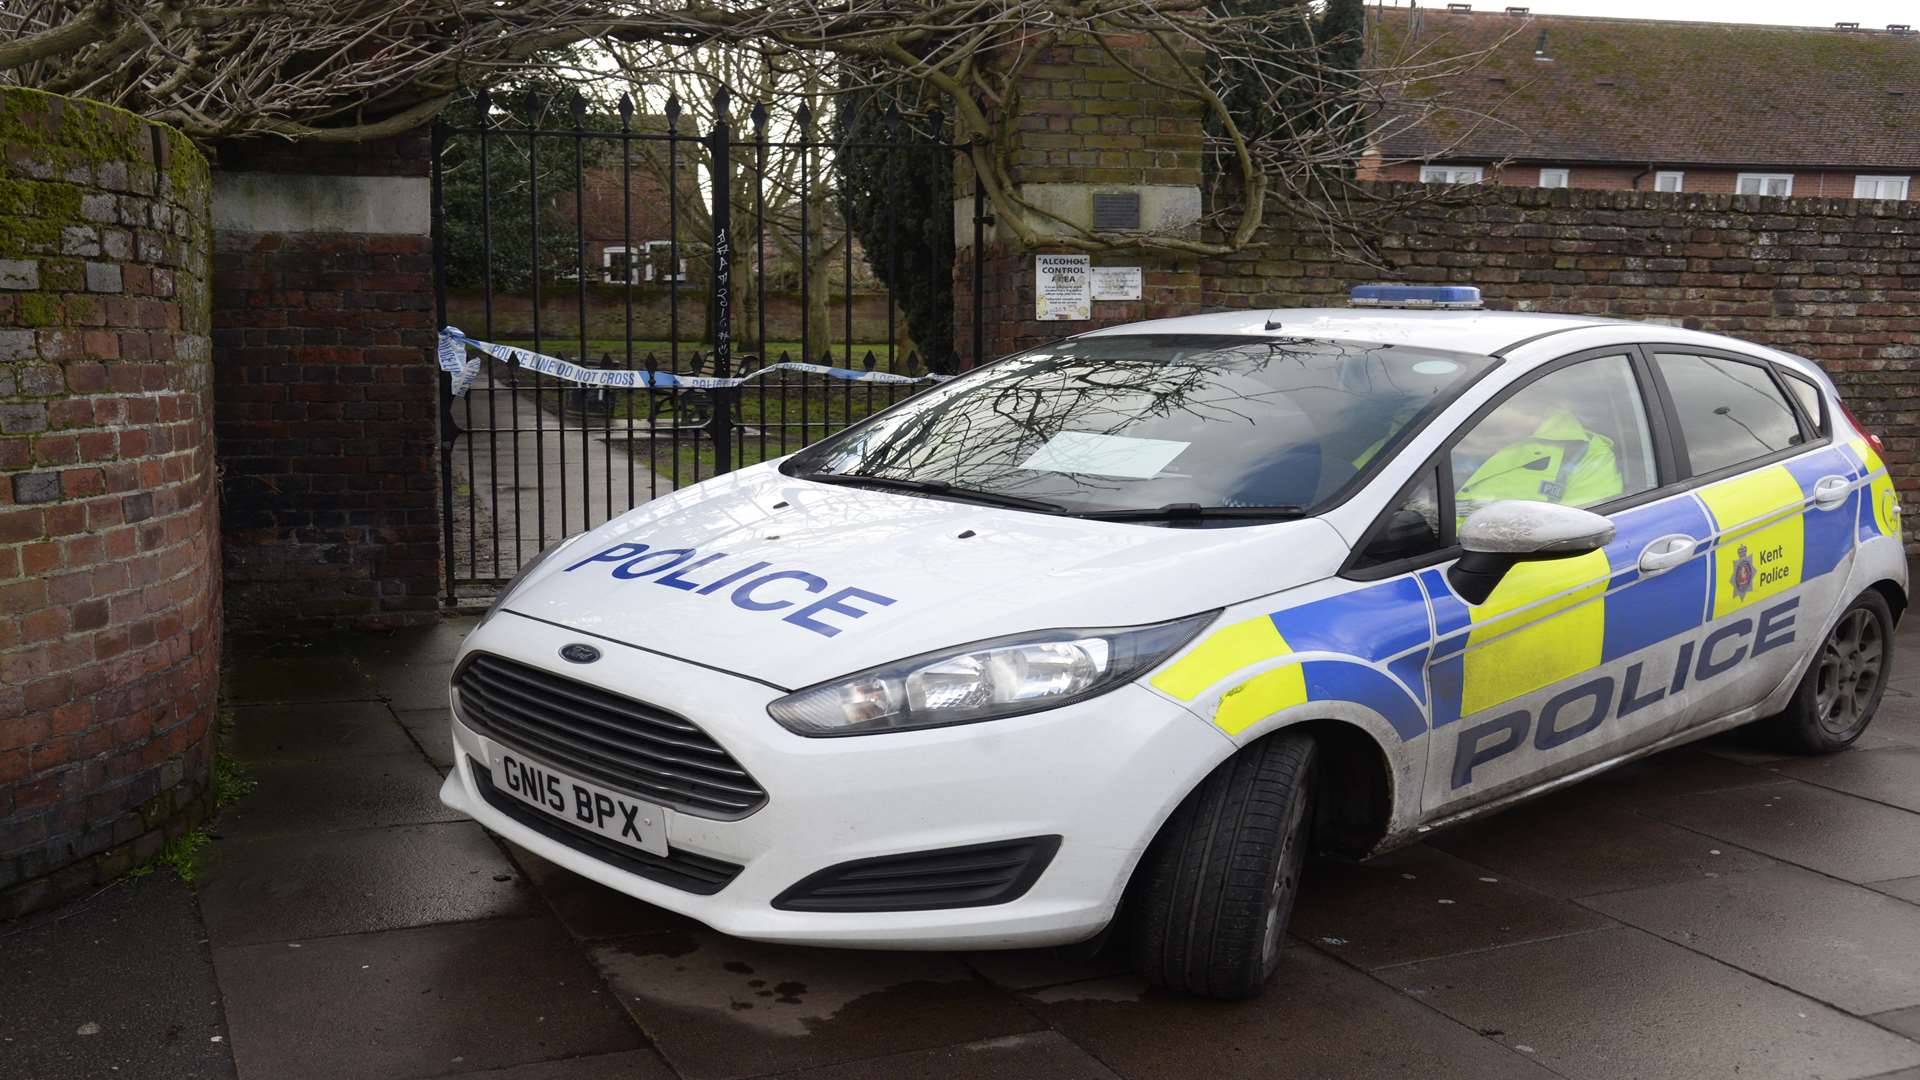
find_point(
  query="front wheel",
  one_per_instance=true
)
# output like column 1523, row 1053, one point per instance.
column 1222, row 876
column 1836, row 698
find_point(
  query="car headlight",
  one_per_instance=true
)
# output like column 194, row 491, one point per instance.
column 520, row 575
column 986, row 680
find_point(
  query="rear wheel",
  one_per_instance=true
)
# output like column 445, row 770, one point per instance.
column 1836, row 699
column 1222, row 876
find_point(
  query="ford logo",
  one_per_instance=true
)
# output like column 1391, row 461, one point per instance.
column 579, row 654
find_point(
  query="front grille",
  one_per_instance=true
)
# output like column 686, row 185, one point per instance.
column 680, row 869
column 597, row 735
column 971, row 876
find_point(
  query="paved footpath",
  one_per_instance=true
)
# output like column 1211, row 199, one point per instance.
column 1711, row 912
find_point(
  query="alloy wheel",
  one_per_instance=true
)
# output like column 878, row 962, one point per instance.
column 1852, row 662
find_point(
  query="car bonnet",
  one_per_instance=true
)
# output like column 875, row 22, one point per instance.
column 790, row 582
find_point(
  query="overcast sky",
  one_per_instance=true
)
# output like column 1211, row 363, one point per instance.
column 1868, row 13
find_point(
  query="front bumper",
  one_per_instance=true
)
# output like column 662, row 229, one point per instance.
column 1102, row 774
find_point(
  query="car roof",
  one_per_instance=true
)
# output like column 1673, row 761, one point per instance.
column 1477, row 331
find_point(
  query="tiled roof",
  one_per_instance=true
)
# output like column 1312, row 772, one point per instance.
column 1639, row 91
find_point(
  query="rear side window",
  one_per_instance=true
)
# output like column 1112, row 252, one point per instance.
column 1730, row 411
column 1809, row 397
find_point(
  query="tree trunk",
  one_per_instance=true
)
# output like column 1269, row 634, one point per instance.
column 819, row 284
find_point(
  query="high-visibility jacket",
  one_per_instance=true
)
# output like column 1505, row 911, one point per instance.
column 1561, row 462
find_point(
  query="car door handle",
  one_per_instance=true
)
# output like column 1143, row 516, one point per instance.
column 1831, row 491
column 1666, row 553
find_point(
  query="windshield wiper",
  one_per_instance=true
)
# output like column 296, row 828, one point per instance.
column 1196, row 512
column 934, row 487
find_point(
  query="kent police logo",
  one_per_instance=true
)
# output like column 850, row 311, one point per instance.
column 1742, row 574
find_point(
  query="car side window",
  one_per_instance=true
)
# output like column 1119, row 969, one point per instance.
column 1810, row 399
column 1576, row 436
column 1409, row 529
column 1730, row 411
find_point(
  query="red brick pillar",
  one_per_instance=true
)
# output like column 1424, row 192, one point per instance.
column 109, row 595
column 327, row 395
column 1087, row 129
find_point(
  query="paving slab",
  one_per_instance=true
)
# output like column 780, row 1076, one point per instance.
column 1904, row 1021
column 1029, row 969
column 1319, row 1018
column 1623, row 1003
column 284, row 671
column 1419, row 903
column 632, row 1065
column 306, row 731
column 1823, row 830
column 1041, row 1055
column 410, row 668
column 432, row 731
column 1746, row 747
column 1567, row 846
column 1899, row 714
column 1890, row 774
column 1845, row 945
column 1680, row 771
column 589, row 909
column 420, row 1002
column 293, row 887
column 719, row 1007
column 341, row 793
column 117, row 984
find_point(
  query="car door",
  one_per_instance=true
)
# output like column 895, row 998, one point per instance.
column 1569, row 659
column 1782, row 501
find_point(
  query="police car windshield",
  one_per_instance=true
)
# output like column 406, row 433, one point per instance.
column 1153, row 421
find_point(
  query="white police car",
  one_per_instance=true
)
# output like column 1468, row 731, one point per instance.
column 1143, row 615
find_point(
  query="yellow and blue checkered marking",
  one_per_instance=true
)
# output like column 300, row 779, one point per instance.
column 1373, row 623
column 1548, row 621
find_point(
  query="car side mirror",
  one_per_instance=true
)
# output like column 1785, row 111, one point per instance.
column 1510, row 531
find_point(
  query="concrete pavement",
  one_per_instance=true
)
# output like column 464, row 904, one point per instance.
column 1713, row 911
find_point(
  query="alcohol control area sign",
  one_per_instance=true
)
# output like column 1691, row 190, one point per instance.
column 1065, row 286
column 1062, row 287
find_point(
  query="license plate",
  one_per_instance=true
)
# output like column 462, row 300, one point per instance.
column 617, row 817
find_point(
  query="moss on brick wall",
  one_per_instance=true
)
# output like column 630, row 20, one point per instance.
column 109, row 595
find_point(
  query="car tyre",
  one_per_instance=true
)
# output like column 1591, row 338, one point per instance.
column 1221, row 877
column 1836, row 698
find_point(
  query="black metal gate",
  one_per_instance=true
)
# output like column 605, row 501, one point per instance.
column 527, row 458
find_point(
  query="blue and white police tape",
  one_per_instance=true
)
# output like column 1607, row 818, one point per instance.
column 454, row 360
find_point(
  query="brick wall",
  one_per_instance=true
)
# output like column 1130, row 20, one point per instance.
column 653, row 318
column 1087, row 125
column 326, row 401
column 109, row 595
column 1169, row 287
column 1834, row 280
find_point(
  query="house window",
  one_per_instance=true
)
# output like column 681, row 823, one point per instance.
column 659, row 262
column 617, row 262
column 1669, row 181
column 1765, row 183
column 1879, row 187
column 1451, row 174
column 1556, row 178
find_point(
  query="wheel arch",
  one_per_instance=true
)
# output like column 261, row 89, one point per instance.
column 1357, row 790
column 1894, row 594
column 1353, row 809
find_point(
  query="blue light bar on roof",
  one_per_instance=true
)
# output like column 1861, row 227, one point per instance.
column 1415, row 296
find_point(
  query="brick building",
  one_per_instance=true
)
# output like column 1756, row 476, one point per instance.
column 628, row 232
column 1565, row 101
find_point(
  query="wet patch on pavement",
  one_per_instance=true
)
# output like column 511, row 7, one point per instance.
column 730, row 1008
